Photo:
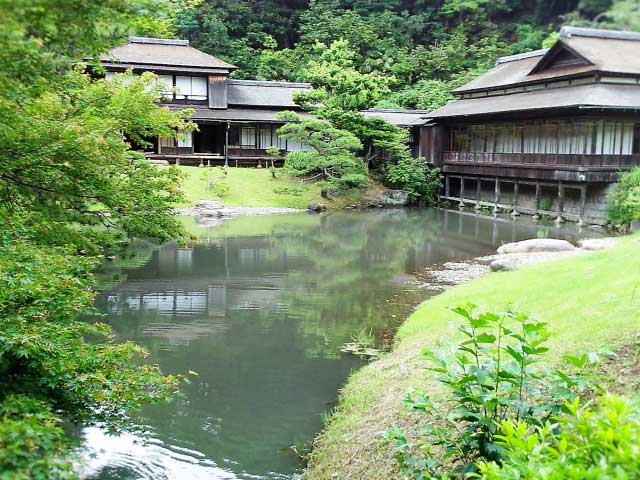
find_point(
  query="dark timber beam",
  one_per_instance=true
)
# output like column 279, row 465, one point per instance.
column 226, row 145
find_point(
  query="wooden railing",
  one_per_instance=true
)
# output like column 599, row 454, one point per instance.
column 552, row 160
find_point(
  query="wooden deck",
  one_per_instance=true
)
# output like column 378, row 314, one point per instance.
column 214, row 160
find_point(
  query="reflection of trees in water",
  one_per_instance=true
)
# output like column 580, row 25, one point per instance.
column 348, row 286
column 327, row 279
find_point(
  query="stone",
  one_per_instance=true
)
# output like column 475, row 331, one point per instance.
column 537, row 245
column 597, row 243
column 317, row 207
column 635, row 226
column 503, row 265
column 370, row 204
column 328, row 193
column 394, row 198
column 209, row 205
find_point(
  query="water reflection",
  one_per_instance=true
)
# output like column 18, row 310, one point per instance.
column 260, row 308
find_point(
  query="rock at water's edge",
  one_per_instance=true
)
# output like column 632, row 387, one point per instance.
column 394, row 198
column 597, row 243
column 317, row 207
column 537, row 245
column 504, row 264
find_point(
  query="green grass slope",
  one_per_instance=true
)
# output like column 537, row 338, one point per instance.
column 249, row 187
column 590, row 301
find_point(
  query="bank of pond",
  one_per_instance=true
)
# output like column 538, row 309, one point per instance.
column 262, row 307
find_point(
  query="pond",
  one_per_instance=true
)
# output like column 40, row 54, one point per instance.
column 260, row 308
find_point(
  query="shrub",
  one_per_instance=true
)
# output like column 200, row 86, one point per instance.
column 624, row 200
column 220, row 189
column 492, row 377
column 586, row 443
column 414, row 177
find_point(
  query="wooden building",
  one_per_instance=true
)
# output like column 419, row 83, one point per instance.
column 547, row 131
column 236, row 118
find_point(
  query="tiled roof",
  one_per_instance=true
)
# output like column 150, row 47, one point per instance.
column 399, row 117
column 163, row 52
column 264, row 94
column 233, row 114
column 607, row 51
column 593, row 96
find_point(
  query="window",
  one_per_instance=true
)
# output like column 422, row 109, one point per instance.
column 166, row 84
column 166, row 142
column 248, row 137
column 193, row 88
column 264, row 137
column 186, row 140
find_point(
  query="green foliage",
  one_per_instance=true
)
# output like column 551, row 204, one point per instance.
column 589, row 442
column 220, row 189
column 71, row 186
column 47, row 366
column 332, row 157
column 492, row 377
column 424, row 95
column 413, row 176
column 624, row 200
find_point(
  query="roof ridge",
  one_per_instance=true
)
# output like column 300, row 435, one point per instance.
column 159, row 41
column 396, row 110
column 269, row 83
column 568, row 32
column 522, row 56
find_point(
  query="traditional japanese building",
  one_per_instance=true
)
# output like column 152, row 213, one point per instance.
column 236, row 118
column 544, row 132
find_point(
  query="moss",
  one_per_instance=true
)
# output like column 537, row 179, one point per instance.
column 589, row 301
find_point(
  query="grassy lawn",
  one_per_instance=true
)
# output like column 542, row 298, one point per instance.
column 250, row 187
column 589, row 301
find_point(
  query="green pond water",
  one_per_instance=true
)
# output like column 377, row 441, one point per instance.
column 260, row 308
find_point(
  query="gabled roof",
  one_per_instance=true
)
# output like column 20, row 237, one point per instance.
column 399, row 117
column 585, row 97
column 258, row 93
column 592, row 50
column 160, row 52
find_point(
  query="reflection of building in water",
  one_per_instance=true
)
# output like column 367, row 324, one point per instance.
column 184, row 259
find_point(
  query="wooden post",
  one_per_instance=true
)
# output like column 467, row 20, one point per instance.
column 516, row 191
column 447, row 187
column 583, row 203
column 461, row 202
column 536, row 214
column 478, row 192
column 496, row 197
column 226, row 145
column 560, row 209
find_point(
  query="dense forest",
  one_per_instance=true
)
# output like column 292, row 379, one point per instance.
column 425, row 47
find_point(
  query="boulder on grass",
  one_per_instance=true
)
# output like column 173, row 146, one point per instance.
column 596, row 243
column 537, row 245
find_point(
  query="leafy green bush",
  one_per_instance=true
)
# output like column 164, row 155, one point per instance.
column 587, row 443
column 492, row 377
column 220, row 189
column 48, row 369
column 414, row 177
column 624, row 200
